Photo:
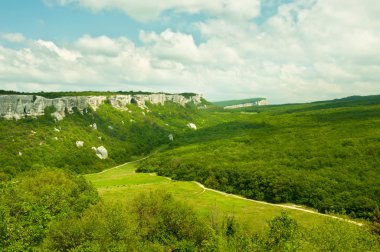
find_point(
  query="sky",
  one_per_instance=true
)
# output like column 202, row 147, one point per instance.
column 284, row 50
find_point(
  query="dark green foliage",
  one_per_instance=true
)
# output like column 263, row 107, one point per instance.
column 283, row 233
column 29, row 202
column 101, row 228
column 337, row 236
column 154, row 222
column 325, row 157
column 162, row 219
column 376, row 221
column 132, row 135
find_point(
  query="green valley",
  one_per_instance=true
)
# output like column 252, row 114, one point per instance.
column 322, row 156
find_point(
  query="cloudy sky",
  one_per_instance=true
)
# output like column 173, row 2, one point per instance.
column 285, row 50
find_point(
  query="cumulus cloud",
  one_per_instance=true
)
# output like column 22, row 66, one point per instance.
column 145, row 10
column 309, row 50
column 12, row 37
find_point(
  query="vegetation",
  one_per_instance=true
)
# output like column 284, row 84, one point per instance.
column 31, row 201
column 323, row 155
column 52, row 210
column 125, row 134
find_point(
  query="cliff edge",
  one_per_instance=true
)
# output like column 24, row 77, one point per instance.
column 20, row 106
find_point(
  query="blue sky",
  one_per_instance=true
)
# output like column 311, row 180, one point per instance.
column 37, row 19
column 287, row 51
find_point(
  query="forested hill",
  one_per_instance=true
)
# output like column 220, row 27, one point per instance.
column 65, row 135
column 324, row 154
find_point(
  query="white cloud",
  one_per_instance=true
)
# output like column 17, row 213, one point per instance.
column 309, row 50
column 12, row 37
column 144, row 10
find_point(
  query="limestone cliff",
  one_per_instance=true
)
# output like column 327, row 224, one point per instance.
column 262, row 102
column 19, row 106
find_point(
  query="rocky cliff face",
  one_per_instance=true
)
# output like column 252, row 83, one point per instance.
column 263, row 102
column 19, row 106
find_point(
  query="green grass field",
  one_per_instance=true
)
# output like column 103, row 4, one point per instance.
column 123, row 183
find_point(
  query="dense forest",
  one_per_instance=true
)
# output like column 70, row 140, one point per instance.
column 325, row 155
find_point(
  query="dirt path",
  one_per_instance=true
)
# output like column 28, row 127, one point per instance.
column 276, row 205
column 130, row 162
column 242, row 198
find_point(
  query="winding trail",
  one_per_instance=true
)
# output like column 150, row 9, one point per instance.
column 118, row 166
column 276, row 205
column 293, row 207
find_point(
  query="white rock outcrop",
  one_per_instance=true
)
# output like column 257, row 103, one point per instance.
column 20, row 106
column 101, row 152
column 94, row 126
column 171, row 137
column 58, row 116
column 262, row 102
column 192, row 126
column 79, row 144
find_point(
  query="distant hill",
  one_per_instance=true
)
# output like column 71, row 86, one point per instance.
column 231, row 104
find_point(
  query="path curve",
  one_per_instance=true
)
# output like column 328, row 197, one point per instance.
column 276, row 205
column 243, row 198
column 130, row 162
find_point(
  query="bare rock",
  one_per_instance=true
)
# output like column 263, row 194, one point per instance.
column 192, row 126
column 171, row 137
column 101, row 152
column 79, row 144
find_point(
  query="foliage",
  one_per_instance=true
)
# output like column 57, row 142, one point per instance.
column 283, row 233
column 44, row 141
column 29, row 202
column 323, row 155
column 154, row 220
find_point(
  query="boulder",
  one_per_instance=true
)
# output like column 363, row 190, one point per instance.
column 192, row 126
column 101, row 152
column 79, row 144
column 58, row 116
column 94, row 126
column 171, row 137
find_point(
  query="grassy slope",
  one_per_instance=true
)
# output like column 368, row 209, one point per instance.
column 133, row 134
column 122, row 183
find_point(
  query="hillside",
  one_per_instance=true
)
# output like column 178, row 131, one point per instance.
column 48, row 137
column 251, row 218
column 323, row 155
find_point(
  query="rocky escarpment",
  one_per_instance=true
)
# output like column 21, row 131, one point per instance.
column 262, row 102
column 20, row 106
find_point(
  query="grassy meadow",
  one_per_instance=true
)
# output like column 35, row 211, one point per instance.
column 123, row 183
